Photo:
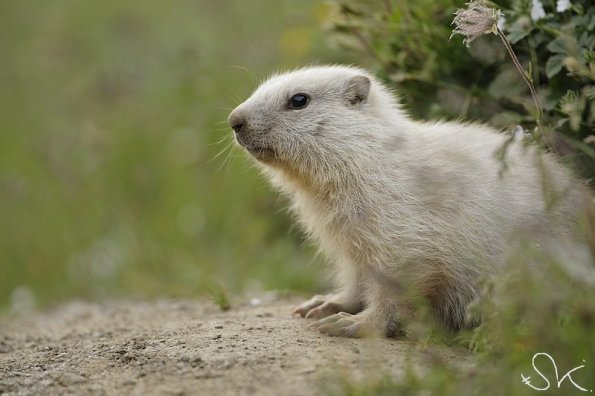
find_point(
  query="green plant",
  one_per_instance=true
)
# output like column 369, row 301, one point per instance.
column 219, row 296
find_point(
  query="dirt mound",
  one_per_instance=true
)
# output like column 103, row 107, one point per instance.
column 186, row 348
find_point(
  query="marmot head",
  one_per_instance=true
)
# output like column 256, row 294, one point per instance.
column 310, row 119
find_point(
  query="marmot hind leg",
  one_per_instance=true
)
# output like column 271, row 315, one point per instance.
column 452, row 308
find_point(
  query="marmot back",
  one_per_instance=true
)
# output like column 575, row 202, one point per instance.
column 402, row 208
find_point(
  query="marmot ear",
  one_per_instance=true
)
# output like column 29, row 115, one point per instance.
column 357, row 90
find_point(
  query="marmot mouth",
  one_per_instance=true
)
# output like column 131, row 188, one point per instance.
column 261, row 153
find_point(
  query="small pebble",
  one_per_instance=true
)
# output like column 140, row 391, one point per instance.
column 255, row 301
column 129, row 382
column 68, row 379
column 4, row 347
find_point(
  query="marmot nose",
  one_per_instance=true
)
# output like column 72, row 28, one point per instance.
column 237, row 122
column 238, row 128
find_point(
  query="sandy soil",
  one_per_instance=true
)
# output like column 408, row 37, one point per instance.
column 188, row 348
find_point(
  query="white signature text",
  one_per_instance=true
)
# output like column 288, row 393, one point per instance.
column 542, row 355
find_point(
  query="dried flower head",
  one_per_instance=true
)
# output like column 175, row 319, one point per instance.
column 475, row 21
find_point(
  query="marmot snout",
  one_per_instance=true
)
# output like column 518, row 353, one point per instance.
column 404, row 209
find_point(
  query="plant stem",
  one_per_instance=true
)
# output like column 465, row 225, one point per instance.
column 389, row 7
column 534, row 61
column 519, row 67
column 367, row 46
column 538, row 119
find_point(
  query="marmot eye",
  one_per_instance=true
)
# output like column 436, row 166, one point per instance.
column 299, row 101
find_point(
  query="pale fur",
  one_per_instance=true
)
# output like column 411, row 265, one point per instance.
column 402, row 208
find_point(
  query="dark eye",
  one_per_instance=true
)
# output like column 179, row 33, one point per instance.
column 299, row 101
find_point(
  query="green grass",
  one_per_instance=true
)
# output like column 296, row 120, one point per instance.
column 113, row 114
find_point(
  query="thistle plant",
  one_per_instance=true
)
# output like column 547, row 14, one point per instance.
column 477, row 20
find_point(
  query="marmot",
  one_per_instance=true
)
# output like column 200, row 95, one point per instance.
column 404, row 209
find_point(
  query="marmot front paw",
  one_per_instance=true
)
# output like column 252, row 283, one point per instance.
column 322, row 306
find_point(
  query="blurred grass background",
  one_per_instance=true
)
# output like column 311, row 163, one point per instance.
column 112, row 115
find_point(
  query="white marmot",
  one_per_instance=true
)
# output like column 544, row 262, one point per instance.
column 404, row 209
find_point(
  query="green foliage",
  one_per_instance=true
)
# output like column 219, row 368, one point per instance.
column 560, row 49
column 220, row 297
column 408, row 42
column 537, row 310
column 113, row 114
